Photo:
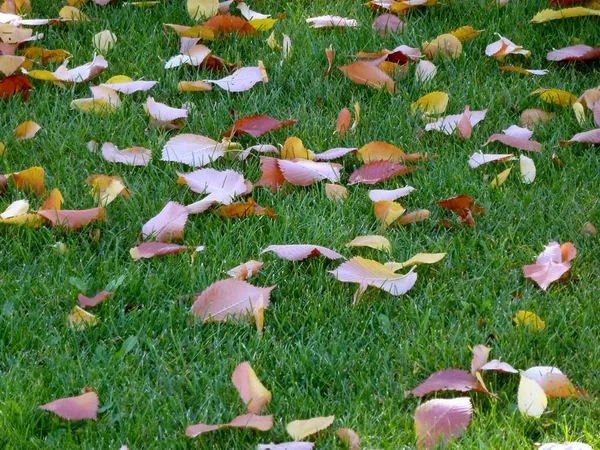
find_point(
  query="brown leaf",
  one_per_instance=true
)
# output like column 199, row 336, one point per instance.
column 365, row 72
column 532, row 117
column 343, row 122
column 414, row 216
column 245, row 209
column 272, row 177
column 460, row 203
column 226, row 25
column 330, row 53
column 349, row 437
column 257, row 125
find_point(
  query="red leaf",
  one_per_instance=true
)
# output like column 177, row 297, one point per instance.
column 447, row 380
column 257, row 126
column 14, row 84
column 460, row 204
column 376, row 172
column 367, row 73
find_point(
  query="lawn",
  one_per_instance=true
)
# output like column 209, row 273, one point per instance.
column 319, row 355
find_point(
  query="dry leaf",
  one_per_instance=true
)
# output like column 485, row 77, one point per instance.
column 135, row 156
column 245, row 270
column 82, row 407
column 529, row 319
column 447, row 124
column 466, row 33
column 242, row 79
column 426, row 70
column 446, row 45
column 419, row 258
column 551, row 264
column 533, row 117
column 168, row 224
column 480, row 358
column 79, row 319
column 574, row 53
column 262, row 423
column 503, row 47
column 390, row 194
column 372, row 241
column 531, row 398
column 331, row 21
column 343, row 122
column 73, row 219
column 27, row 130
column 446, row 380
column 349, row 437
column 555, row 96
column 126, row 85
column 387, row 211
column 299, row 429
column 388, row 23
column 433, row 103
column 441, row 420
column 251, row 390
column 336, row 192
column 192, row 150
column 499, row 366
column 257, row 126
column 367, row 73
column 500, row 178
column 14, row 85
column 376, row 172
column 549, row 14
column 516, row 137
column 527, row 167
column 245, row 209
column 293, row 148
column 104, row 41
column 89, row 302
column 298, row 252
column 30, row 180
column 587, row 137
column 159, row 249
column 199, row 9
column 45, row 56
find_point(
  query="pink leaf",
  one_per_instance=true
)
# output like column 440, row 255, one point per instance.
column 251, row 390
column 465, row 129
column 73, row 219
column 192, row 149
column 167, row 224
column 499, row 366
column 376, row 172
column 300, row 252
column 587, row 137
column 75, row 408
column 158, row 249
column 516, row 137
column 262, row 423
column 245, row 270
column 334, row 153
column 479, row 159
column 81, row 73
column 230, row 298
column 388, row 23
column 136, row 156
column 95, row 300
column 271, row 174
column 574, row 53
column 290, row 446
column 331, row 21
column 446, row 380
column 164, row 113
column 305, row 173
column 551, row 264
column 480, row 357
column 440, row 420
column 129, row 87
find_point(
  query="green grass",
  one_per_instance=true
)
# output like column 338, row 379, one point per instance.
column 318, row 355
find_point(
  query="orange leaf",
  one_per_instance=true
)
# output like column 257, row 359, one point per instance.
column 54, row 200
column 31, row 179
column 245, row 209
column 225, row 25
column 365, row 72
column 343, row 122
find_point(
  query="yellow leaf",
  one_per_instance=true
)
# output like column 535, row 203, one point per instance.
column 500, row 178
column 27, row 130
column 403, row 6
column 10, row 63
column 272, row 42
column 2, row 148
column 419, row 258
column 380, row 151
column 199, row 9
column 549, row 14
column 80, row 319
column 262, row 24
column 251, row 390
column 193, row 86
column 446, row 44
column 556, row 96
column 529, row 319
column 299, row 429
column 387, row 211
column 54, row 200
column 293, row 148
column 45, row 75
column 44, row 55
column 532, row 399
column 467, row 33
column 118, row 79
column 31, row 179
column 373, row 241
column 15, row 209
column 104, row 41
column 72, row 13
column 336, row 192
column 579, row 113
column 433, row 103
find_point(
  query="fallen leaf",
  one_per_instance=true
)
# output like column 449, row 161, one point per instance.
column 336, row 192
column 387, row 211
column 447, row 124
column 367, row 73
column 555, row 96
column 433, row 103
column 587, row 137
column 245, row 209
column 460, row 203
column 158, row 249
column 198, row 31
column 548, row 14
column 529, row 319
column 499, row 366
column 554, row 383
column 199, row 9
column 516, row 137
column 414, row 216
column 164, row 113
column 331, row 21
column 298, row 252
column 500, row 178
column 551, row 264
column 106, row 188
column 578, row 52
column 81, row 407
column 372, row 241
column 10, row 63
column 73, row 219
column 103, row 100
column 80, row 319
column 306, row 173
column 527, row 167
column 446, row 45
column 242, row 79
column 168, row 224
column 232, row 298
column 271, row 174
column 376, row 172
column 79, row 74
column 388, row 23
column 194, row 86
column 257, row 125
column 104, row 41
column 533, row 117
column 30, row 180
column 330, row 53
column 531, row 398
column 377, row 195
column 597, row 113
column 88, row 302
column 426, row 70
column 27, row 130
column 367, row 272
column 466, row 33
column 14, row 85
column 382, row 151
column 293, row 148
column 349, row 437
column 251, row 390
column 192, row 150
column 302, row 446
column 299, row 429
column 249, row 14
column 135, row 156
column 262, row 423
column 126, row 85
column 193, row 56
column 404, row 5
column 45, row 56
column 464, row 127
column 333, row 153
column 446, row 380
column 566, row 446
column 343, row 122
column 527, row 72
column 441, row 420
column 245, row 270
column 71, row 13
column 503, row 47
column 480, row 358
column 419, row 258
